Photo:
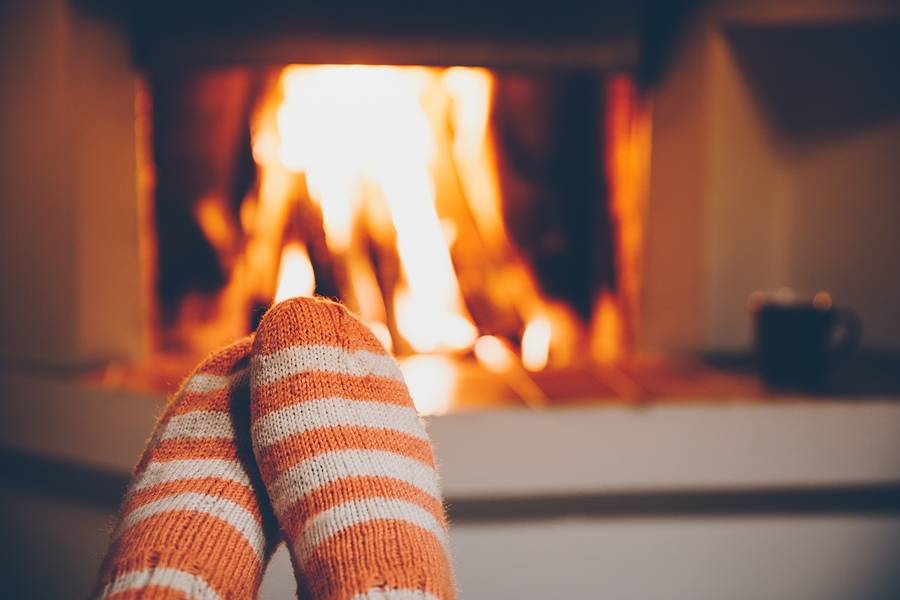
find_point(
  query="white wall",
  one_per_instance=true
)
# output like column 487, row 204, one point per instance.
column 845, row 206
column 750, row 191
column 69, row 250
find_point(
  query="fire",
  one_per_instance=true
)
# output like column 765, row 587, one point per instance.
column 350, row 129
column 380, row 185
column 512, row 286
column 215, row 221
column 494, row 354
column 431, row 380
column 615, row 320
column 430, row 330
column 536, row 344
column 470, row 90
column 607, row 339
column 295, row 274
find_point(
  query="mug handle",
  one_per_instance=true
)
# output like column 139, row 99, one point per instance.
column 846, row 332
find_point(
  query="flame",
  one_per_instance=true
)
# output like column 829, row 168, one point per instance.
column 365, row 139
column 607, row 339
column 494, row 354
column 536, row 344
column 431, row 379
column 349, row 127
column 295, row 273
column 428, row 330
column 390, row 177
column 511, row 285
column 214, row 219
column 628, row 150
column 471, row 91
column 264, row 213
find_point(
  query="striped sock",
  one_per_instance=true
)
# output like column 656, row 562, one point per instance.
column 192, row 524
column 346, row 462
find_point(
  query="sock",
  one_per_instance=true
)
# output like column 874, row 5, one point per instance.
column 347, row 464
column 194, row 521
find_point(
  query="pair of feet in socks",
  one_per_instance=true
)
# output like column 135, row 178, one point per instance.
column 304, row 432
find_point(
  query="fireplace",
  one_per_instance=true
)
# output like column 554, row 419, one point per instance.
column 467, row 215
column 475, row 194
column 470, row 180
column 543, row 269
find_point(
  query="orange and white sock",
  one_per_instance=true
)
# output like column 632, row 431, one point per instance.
column 192, row 524
column 346, row 462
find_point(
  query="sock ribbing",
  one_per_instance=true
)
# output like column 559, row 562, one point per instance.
column 347, row 464
column 192, row 524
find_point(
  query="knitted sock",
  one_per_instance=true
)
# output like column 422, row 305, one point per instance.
column 193, row 523
column 345, row 460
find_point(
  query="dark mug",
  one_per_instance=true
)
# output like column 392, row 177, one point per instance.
column 798, row 343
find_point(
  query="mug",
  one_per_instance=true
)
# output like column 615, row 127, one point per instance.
column 799, row 342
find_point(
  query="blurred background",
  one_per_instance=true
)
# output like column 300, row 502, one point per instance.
column 638, row 262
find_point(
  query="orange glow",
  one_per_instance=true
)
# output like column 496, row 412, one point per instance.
column 606, row 343
column 628, row 167
column 536, row 344
column 511, row 285
column 348, row 128
column 363, row 292
column 295, row 273
column 494, row 354
column 382, row 334
column 264, row 213
column 431, row 380
column 381, row 185
column 470, row 91
column 428, row 330
column 214, row 219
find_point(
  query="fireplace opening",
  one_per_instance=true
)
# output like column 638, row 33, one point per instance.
column 483, row 223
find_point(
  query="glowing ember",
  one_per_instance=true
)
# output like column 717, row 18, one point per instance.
column 431, row 380
column 295, row 275
column 606, row 342
column 494, row 354
column 536, row 344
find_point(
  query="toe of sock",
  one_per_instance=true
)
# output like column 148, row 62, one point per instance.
column 312, row 321
column 298, row 321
